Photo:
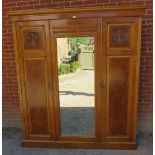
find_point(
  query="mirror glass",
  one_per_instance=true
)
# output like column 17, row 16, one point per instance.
column 75, row 57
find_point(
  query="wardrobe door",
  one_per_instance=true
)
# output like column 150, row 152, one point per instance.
column 73, row 122
column 35, row 78
column 122, row 46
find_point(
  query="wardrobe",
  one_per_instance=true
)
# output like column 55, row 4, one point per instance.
column 117, row 44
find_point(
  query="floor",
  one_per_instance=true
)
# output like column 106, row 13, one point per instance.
column 12, row 138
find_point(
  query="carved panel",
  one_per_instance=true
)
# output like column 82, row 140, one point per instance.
column 32, row 39
column 119, row 36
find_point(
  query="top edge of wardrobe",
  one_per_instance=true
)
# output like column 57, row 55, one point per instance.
column 82, row 9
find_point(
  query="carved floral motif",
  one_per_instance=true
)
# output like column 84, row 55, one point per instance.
column 32, row 40
column 119, row 36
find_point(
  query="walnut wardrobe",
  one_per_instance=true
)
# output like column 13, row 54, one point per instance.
column 117, row 42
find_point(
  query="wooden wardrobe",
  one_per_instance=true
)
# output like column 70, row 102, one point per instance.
column 117, row 33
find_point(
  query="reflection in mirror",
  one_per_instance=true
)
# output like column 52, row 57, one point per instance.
column 75, row 56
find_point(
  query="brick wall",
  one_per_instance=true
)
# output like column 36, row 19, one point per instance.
column 11, row 112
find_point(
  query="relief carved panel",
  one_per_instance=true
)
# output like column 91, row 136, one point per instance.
column 32, row 39
column 119, row 36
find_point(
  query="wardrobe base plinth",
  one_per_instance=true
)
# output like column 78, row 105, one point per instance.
column 80, row 145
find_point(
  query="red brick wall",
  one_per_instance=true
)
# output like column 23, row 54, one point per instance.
column 11, row 111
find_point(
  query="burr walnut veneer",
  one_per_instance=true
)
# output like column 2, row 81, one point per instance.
column 117, row 33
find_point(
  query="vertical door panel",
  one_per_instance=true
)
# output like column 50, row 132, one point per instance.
column 36, row 78
column 121, row 45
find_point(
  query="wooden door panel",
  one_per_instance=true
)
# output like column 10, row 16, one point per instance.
column 121, row 45
column 118, row 85
column 36, row 78
column 36, row 95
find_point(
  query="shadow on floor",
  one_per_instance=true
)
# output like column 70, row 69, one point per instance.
column 75, row 93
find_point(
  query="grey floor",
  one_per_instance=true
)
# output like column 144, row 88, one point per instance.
column 12, row 138
column 77, row 121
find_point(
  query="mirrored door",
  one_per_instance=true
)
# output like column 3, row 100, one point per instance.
column 75, row 63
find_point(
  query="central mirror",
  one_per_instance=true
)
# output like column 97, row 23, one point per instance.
column 75, row 57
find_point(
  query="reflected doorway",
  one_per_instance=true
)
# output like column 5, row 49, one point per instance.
column 75, row 57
